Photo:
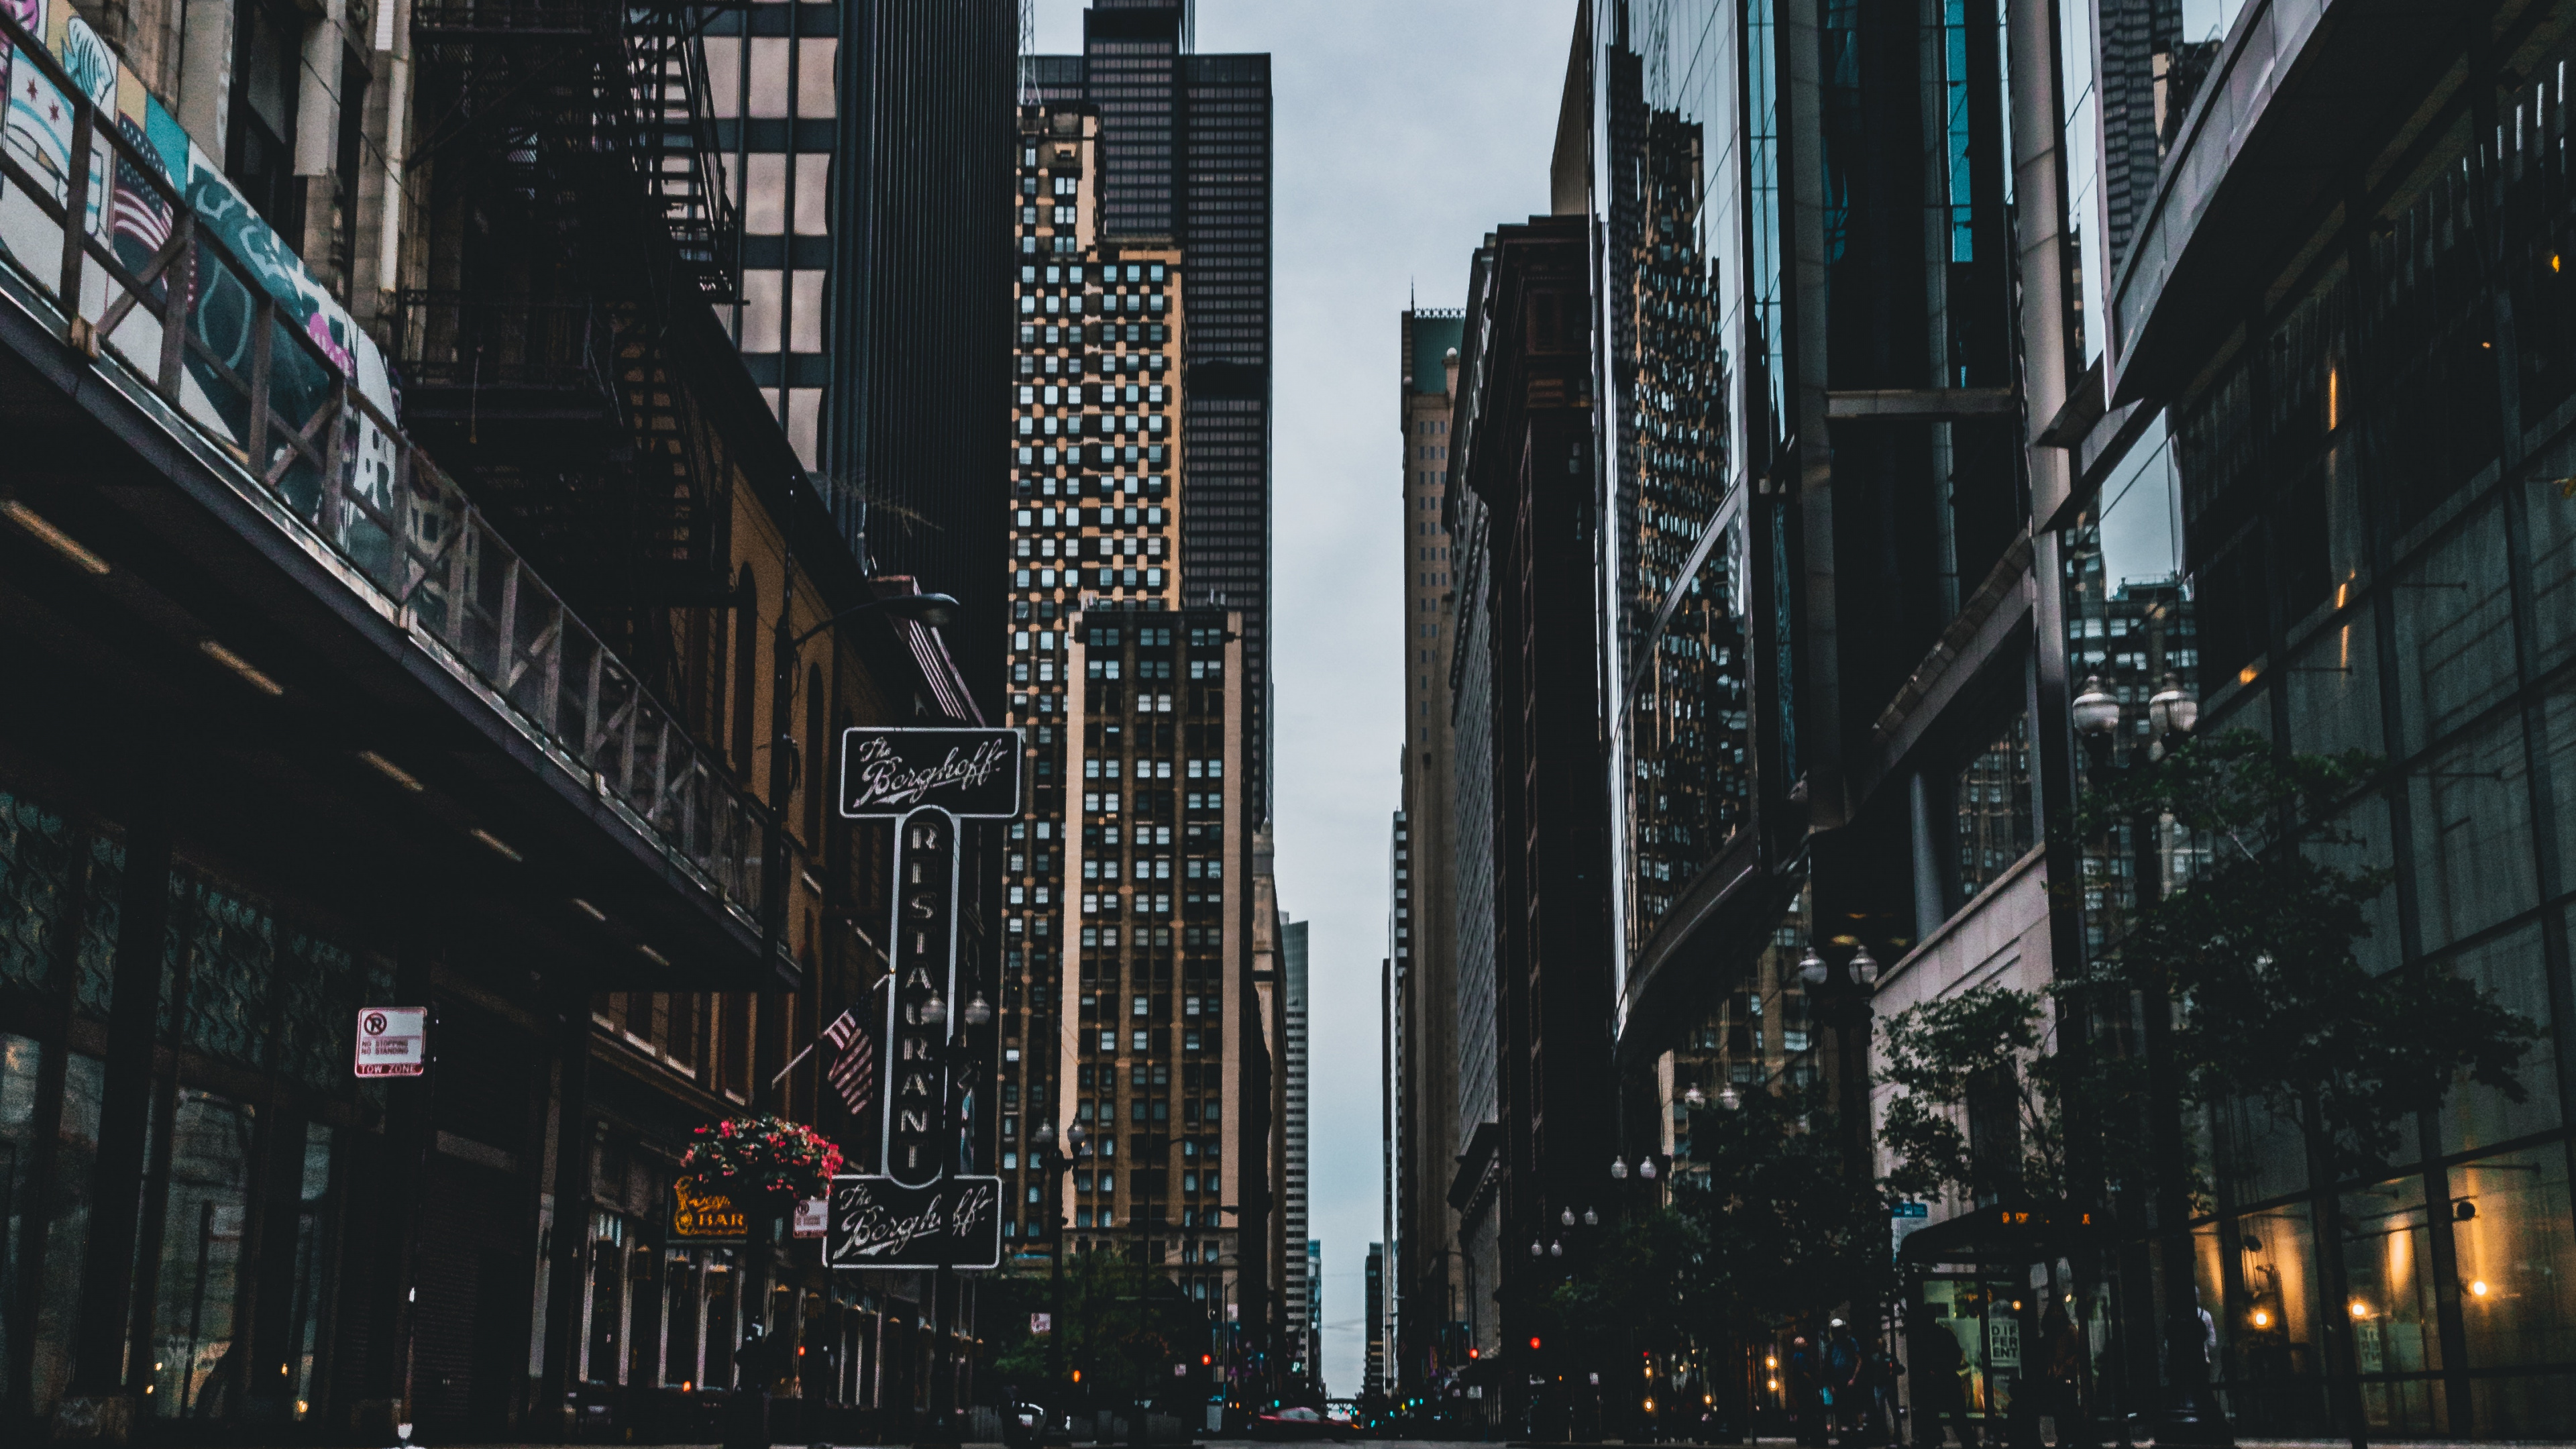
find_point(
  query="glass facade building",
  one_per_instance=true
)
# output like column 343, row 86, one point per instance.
column 2336, row 510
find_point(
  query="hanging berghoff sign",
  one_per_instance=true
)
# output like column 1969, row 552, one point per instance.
column 924, row 1206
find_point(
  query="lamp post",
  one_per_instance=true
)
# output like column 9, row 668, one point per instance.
column 1839, row 993
column 1077, row 1141
column 2189, row 1412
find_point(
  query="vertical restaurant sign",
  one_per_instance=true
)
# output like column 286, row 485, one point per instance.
column 926, row 780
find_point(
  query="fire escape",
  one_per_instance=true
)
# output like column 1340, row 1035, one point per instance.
column 578, row 227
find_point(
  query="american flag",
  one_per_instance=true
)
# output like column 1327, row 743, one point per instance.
column 853, row 1073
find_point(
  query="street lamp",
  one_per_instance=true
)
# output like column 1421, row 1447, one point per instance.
column 1077, row 1141
column 2190, row 1413
column 1729, row 1098
column 1839, row 994
column 934, row 1012
column 978, row 1011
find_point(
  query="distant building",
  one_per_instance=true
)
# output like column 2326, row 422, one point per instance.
column 1301, row 1289
column 1421, row 920
column 1373, row 1372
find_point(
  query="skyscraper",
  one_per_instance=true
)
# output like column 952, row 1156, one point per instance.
column 1421, row 920
column 872, row 311
column 1298, row 1301
column 1129, row 962
column 1186, row 154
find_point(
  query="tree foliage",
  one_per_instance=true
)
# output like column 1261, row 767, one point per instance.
column 1781, row 1224
column 1982, row 1051
column 1122, row 1327
column 2256, row 951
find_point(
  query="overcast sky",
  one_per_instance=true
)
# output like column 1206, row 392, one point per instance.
column 1405, row 130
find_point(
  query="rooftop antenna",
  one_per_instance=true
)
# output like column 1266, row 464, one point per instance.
column 1028, row 49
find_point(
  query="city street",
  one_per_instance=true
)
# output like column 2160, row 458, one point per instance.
column 834, row 722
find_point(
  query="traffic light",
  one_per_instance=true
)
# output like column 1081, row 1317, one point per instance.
column 1533, row 1343
column 1205, row 1359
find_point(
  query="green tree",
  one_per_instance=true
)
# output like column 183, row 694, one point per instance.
column 1777, row 1222
column 1122, row 1326
column 2256, row 953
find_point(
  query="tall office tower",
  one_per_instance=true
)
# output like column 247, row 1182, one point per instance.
column 1475, row 1189
column 1422, row 919
column 1680, row 747
column 1128, row 965
column 1187, row 155
column 1525, row 448
column 868, row 148
column 1298, row 1301
column 1159, row 1047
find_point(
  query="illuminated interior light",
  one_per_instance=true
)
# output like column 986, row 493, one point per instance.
column 240, row 666
column 54, row 538
column 392, row 771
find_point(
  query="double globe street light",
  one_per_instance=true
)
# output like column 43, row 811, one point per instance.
column 2190, row 1414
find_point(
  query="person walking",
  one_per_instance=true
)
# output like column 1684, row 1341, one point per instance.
column 1807, row 1392
column 1847, row 1405
column 2061, row 1369
column 1933, row 1374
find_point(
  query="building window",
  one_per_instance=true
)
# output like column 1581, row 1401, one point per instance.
column 1994, row 815
column 814, row 60
column 764, row 200
column 769, row 68
column 813, row 194
column 764, row 296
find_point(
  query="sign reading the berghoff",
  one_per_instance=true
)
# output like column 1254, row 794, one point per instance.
column 915, row 1210
column 972, row 773
column 879, row 1223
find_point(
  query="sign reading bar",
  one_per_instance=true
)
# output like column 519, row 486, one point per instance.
column 701, row 1215
column 954, row 1222
column 393, row 1041
column 972, row 773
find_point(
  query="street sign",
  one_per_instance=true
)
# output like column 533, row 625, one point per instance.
column 1041, row 1323
column 393, row 1041
column 970, row 773
column 813, row 1217
column 1910, row 1210
column 877, row 1222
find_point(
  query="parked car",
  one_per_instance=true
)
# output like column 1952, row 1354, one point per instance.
column 1023, row 1426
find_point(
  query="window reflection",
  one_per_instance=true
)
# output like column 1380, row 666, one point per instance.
column 1681, row 615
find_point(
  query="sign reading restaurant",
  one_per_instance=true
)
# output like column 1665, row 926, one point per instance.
column 915, row 1211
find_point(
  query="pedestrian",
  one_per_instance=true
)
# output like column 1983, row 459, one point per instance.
column 1933, row 1374
column 1844, row 1401
column 1807, row 1397
column 2061, row 1371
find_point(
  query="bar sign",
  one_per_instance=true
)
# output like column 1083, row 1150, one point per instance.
column 393, row 1041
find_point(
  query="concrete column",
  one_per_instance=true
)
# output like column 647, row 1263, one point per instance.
column 206, row 73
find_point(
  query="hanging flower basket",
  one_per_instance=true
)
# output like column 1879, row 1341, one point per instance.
column 762, row 1161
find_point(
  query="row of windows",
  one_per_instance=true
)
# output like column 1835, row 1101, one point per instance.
column 770, row 76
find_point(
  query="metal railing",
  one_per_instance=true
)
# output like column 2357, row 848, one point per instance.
column 291, row 429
